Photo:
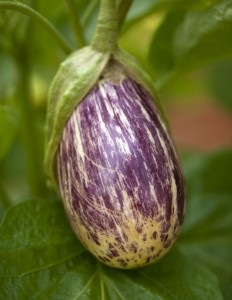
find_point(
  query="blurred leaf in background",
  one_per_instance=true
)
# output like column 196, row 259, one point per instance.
column 193, row 39
column 141, row 9
column 207, row 232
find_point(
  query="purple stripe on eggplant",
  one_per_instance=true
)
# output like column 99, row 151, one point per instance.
column 119, row 176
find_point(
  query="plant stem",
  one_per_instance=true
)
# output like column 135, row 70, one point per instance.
column 106, row 35
column 26, row 10
column 123, row 9
column 80, row 39
column 88, row 12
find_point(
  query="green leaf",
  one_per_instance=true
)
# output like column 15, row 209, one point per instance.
column 207, row 232
column 42, row 259
column 171, row 278
column 141, row 9
column 7, row 130
column 209, row 173
column 160, row 55
column 38, row 235
column 190, row 40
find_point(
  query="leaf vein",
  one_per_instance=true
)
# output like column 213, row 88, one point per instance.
column 158, row 284
column 86, row 286
column 45, row 267
column 115, row 289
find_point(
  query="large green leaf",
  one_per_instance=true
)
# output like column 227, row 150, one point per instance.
column 190, row 40
column 38, row 235
column 41, row 259
column 207, row 234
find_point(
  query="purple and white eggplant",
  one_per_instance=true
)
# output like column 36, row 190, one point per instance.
column 110, row 155
column 119, row 176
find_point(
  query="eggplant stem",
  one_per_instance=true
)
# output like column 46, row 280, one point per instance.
column 106, row 35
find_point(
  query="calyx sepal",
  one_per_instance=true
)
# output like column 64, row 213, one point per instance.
column 76, row 76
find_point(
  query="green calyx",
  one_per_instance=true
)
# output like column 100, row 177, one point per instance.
column 75, row 78
column 80, row 72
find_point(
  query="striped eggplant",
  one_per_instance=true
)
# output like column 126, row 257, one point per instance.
column 110, row 155
column 115, row 164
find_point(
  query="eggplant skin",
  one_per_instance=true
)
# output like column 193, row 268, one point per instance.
column 119, row 176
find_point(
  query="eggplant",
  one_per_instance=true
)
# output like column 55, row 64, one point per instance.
column 119, row 175
column 109, row 153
